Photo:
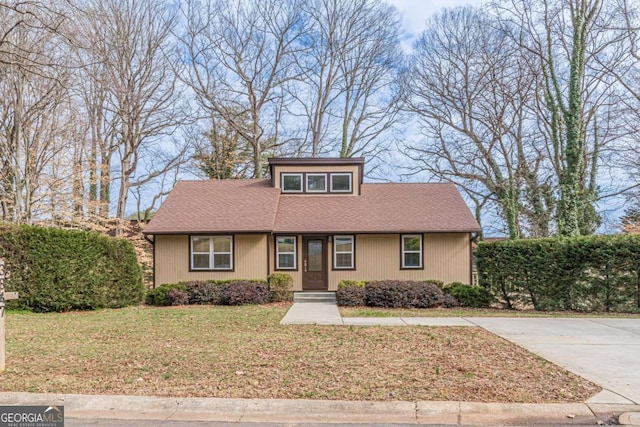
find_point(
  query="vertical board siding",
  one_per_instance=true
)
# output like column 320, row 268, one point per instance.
column 446, row 258
column 296, row 274
column 172, row 259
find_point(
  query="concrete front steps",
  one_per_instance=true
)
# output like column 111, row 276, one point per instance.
column 329, row 297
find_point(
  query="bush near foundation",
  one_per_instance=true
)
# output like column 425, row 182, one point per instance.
column 351, row 296
column 281, row 286
column 204, row 292
column 177, row 297
column 241, row 293
column 591, row 273
column 61, row 270
column 214, row 292
column 468, row 296
column 393, row 294
column 161, row 295
column 403, row 294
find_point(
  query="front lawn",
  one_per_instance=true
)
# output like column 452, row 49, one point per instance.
column 219, row 351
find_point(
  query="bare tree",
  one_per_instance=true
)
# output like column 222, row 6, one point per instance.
column 241, row 54
column 577, row 109
column 35, row 17
column 33, row 96
column 348, row 91
column 133, row 100
column 470, row 85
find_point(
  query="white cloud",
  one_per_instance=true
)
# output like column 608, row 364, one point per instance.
column 414, row 14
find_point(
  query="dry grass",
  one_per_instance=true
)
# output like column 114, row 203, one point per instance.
column 469, row 312
column 243, row 352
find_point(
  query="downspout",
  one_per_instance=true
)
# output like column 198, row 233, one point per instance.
column 269, row 254
column 153, row 270
column 472, row 239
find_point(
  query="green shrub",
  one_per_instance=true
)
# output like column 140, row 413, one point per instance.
column 438, row 283
column 591, row 273
column 60, row 270
column 351, row 283
column 469, row 296
column 160, row 295
column 351, row 296
column 281, row 286
column 403, row 294
column 241, row 293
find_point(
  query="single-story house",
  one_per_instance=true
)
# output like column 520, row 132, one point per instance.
column 316, row 220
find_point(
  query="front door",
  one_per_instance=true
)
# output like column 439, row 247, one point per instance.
column 314, row 263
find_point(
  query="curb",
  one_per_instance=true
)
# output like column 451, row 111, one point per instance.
column 630, row 419
column 121, row 407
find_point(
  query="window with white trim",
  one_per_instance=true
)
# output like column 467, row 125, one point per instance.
column 211, row 252
column 343, row 252
column 286, row 249
column 291, row 182
column 412, row 251
column 316, row 183
column 341, row 183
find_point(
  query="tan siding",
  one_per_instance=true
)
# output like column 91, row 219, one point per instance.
column 446, row 258
column 297, row 275
column 277, row 170
column 172, row 260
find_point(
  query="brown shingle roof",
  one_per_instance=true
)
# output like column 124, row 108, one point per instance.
column 217, row 206
column 254, row 206
column 380, row 208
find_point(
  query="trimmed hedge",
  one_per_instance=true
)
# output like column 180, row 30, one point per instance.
column 468, row 296
column 351, row 296
column 393, row 294
column 215, row 292
column 161, row 295
column 281, row 286
column 403, row 294
column 591, row 273
column 61, row 270
column 241, row 293
column 204, row 292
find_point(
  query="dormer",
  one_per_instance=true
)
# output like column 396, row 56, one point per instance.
column 317, row 176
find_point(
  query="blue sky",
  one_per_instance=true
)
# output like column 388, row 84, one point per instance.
column 414, row 13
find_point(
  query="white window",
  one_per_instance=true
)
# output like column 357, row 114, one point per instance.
column 411, row 251
column 291, row 183
column 341, row 183
column 316, row 182
column 286, row 253
column 343, row 252
column 212, row 253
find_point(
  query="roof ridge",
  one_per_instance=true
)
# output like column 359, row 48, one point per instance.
column 407, row 183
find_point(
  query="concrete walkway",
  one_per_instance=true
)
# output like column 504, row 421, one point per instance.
column 312, row 313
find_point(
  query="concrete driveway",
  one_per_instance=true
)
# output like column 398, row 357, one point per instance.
column 604, row 351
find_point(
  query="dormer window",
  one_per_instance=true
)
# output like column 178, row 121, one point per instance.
column 341, row 183
column 292, row 183
column 316, row 183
